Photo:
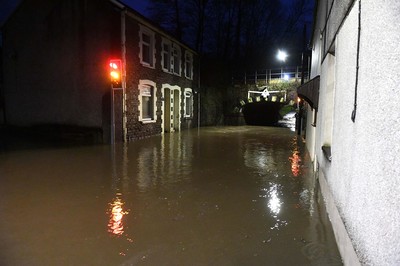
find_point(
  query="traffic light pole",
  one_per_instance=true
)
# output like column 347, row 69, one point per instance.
column 112, row 116
column 116, row 84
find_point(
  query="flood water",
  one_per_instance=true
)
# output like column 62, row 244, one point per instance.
column 214, row 196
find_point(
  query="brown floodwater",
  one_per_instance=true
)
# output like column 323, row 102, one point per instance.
column 214, row 196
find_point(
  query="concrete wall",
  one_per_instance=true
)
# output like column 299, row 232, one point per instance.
column 310, row 132
column 316, row 53
column 316, row 58
column 364, row 175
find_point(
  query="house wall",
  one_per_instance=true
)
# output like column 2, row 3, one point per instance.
column 362, row 181
column 137, row 73
column 316, row 58
column 56, row 56
column 310, row 132
column 316, row 52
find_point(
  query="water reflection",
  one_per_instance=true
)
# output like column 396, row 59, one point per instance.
column 222, row 197
column 116, row 214
column 295, row 158
column 289, row 121
column 164, row 163
column 148, row 167
column 259, row 157
column 120, row 183
column 274, row 202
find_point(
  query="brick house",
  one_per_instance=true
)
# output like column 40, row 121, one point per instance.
column 56, row 70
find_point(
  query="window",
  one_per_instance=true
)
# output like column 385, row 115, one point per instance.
column 147, row 50
column 188, row 103
column 166, row 55
column 147, row 101
column 171, row 57
column 188, row 65
column 176, row 59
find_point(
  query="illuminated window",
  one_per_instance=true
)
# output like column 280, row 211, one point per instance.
column 147, row 50
column 188, row 65
column 166, row 55
column 176, row 59
column 188, row 103
column 147, row 101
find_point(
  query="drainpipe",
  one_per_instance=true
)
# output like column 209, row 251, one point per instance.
column 198, row 110
column 198, row 96
column 3, row 101
column 353, row 114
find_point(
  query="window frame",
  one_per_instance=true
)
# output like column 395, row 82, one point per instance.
column 176, row 55
column 165, row 54
column 144, row 85
column 188, row 94
column 151, row 44
column 188, row 60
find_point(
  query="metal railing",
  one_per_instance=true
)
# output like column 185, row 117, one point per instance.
column 268, row 76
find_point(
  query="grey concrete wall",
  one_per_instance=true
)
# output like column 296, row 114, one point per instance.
column 316, row 53
column 310, row 132
column 364, row 175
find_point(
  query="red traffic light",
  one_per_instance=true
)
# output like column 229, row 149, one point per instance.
column 116, row 73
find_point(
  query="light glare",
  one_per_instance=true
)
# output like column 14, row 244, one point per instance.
column 114, row 74
column 282, row 55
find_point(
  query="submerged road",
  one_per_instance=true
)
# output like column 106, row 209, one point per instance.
column 214, row 196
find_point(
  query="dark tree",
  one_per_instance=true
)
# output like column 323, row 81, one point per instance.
column 231, row 36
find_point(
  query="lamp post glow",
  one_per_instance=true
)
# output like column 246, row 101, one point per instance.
column 281, row 55
column 286, row 77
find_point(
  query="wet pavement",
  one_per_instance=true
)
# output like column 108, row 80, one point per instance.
column 214, row 196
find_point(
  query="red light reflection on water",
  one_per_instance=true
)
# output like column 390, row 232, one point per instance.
column 116, row 212
column 295, row 160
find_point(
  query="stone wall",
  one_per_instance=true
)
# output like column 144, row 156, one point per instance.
column 137, row 72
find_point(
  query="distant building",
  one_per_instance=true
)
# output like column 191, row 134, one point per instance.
column 56, row 70
column 353, row 125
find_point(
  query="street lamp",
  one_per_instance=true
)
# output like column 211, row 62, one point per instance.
column 281, row 55
column 286, row 77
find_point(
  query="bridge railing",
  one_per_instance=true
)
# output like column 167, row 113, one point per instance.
column 268, row 76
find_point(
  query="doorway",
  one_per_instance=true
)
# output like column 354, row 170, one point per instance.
column 177, row 111
column 167, row 110
column 172, row 109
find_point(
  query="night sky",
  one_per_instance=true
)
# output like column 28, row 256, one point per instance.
column 8, row 6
